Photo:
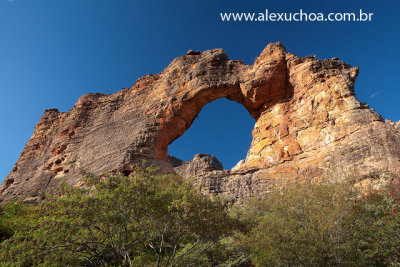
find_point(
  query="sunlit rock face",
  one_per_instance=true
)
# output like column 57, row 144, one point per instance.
column 309, row 126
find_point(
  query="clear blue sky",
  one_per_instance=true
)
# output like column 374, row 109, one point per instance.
column 53, row 51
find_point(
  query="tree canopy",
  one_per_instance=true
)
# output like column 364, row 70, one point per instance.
column 153, row 219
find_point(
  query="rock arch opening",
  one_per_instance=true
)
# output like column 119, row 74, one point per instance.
column 223, row 129
column 257, row 88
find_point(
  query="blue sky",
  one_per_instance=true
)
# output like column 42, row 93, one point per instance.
column 53, row 51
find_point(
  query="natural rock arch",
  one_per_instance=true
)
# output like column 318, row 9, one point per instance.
column 309, row 125
column 255, row 87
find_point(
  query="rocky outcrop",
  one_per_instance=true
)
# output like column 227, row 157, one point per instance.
column 309, row 126
column 396, row 125
column 201, row 163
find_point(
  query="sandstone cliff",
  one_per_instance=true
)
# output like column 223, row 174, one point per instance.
column 309, row 126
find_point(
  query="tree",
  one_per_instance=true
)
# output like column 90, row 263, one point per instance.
column 155, row 219
column 322, row 225
column 374, row 228
column 10, row 215
column 147, row 218
column 298, row 226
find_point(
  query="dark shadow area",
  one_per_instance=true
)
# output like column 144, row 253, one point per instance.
column 223, row 129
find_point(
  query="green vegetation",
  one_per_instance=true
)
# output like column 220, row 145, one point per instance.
column 321, row 225
column 154, row 219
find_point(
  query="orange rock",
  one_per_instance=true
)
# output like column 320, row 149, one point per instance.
column 309, row 126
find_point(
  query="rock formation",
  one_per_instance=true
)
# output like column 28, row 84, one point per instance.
column 309, row 126
column 200, row 163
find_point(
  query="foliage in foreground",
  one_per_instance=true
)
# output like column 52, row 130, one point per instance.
column 322, row 225
column 146, row 219
column 11, row 215
column 151, row 219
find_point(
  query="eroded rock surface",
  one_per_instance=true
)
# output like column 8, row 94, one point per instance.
column 200, row 163
column 309, row 126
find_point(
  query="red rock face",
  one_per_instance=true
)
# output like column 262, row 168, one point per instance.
column 309, row 126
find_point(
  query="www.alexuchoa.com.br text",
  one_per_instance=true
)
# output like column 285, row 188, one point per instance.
column 299, row 16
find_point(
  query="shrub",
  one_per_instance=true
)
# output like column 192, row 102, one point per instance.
column 146, row 219
column 321, row 225
column 154, row 219
column 300, row 226
column 374, row 229
column 10, row 216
